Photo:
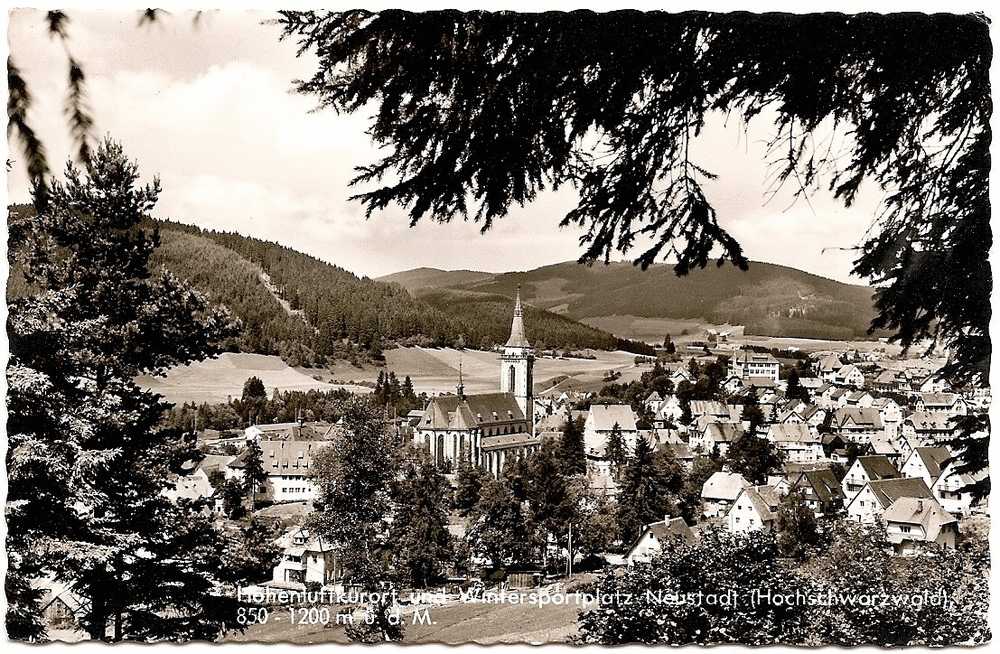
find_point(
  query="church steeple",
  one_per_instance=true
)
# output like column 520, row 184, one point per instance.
column 516, row 363
column 517, row 337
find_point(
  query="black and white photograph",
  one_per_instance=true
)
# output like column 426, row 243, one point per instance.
column 516, row 325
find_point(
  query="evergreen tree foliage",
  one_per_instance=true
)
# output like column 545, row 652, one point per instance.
column 795, row 527
column 88, row 461
column 254, row 475
column 422, row 546
column 469, row 480
column 500, row 527
column 572, row 454
column 354, row 478
column 615, row 450
column 754, row 457
column 649, row 485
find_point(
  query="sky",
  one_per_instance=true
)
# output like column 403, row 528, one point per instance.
column 209, row 108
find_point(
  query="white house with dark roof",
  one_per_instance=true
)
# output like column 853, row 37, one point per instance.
column 755, row 508
column 927, row 463
column 912, row 523
column 866, row 469
column 747, row 363
column 820, row 490
column 828, row 366
column 868, row 505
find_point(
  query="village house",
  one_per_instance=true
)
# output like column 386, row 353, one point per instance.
column 820, row 490
column 862, row 399
column 951, row 490
column 799, row 442
column 857, row 425
column 931, row 383
column 191, row 487
column 866, row 469
column 655, row 536
column 289, row 467
column 891, row 414
column 602, row 420
column 951, row 404
column 850, row 376
column 720, row 491
column 882, row 445
column 453, row 426
column 912, row 523
column 719, row 435
column 890, row 381
column 756, row 507
column 871, row 502
column 669, row 412
column 716, row 410
column 299, row 430
column 747, row 363
column 926, row 463
column 305, row 559
column 652, row 402
column 828, row 366
column 927, row 428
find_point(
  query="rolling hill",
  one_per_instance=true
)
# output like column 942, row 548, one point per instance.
column 311, row 312
column 768, row 299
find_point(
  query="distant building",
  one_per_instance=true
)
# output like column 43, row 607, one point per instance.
column 720, row 491
column 601, row 421
column 927, row 463
column 655, row 536
column 305, row 559
column 755, row 508
column 799, row 442
column 911, row 523
column 866, row 469
column 747, row 363
column 856, row 424
column 952, row 490
column 868, row 505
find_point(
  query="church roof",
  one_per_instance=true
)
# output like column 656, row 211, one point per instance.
column 517, row 337
column 470, row 411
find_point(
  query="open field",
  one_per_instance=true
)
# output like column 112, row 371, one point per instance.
column 456, row 623
column 214, row 380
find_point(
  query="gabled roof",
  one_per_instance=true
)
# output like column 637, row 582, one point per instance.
column 469, row 411
column 765, row 500
column 930, row 421
column 847, row 370
column 878, row 467
column 724, row 486
column 880, row 444
column 823, row 483
column 863, row 418
column 919, row 511
column 665, row 531
column 933, row 458
column 792, row 433
column 605, row 416
column 830, row 363
column 723, row 432
column 708, row 408
column 888, row 491
column 653, row 397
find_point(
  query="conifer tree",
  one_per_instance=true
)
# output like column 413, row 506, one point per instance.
column 469, row 481
column 422, row 546
column 615, row 449
column 355, row 477
column 572, row 453
column 254, row 475
column 88, row 461
column 649, row 484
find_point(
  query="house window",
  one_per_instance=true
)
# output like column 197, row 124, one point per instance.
column 512, row 375
column 905, row 529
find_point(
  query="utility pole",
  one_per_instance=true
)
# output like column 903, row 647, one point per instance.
column 569, row 550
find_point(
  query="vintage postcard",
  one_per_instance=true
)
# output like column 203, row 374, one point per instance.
column 586, row 327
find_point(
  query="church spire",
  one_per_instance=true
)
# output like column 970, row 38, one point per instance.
column 517, row 337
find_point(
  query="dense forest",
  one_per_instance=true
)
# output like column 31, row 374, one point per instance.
column 767, row 299
column 309, row 311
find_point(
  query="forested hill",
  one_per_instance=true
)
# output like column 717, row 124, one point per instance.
column 308, row 310
column 292, row 301
column 768, row 299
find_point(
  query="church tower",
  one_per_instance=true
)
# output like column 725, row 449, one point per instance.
column 516, row 363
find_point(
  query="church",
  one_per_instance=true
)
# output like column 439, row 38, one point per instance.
column 488, row 428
